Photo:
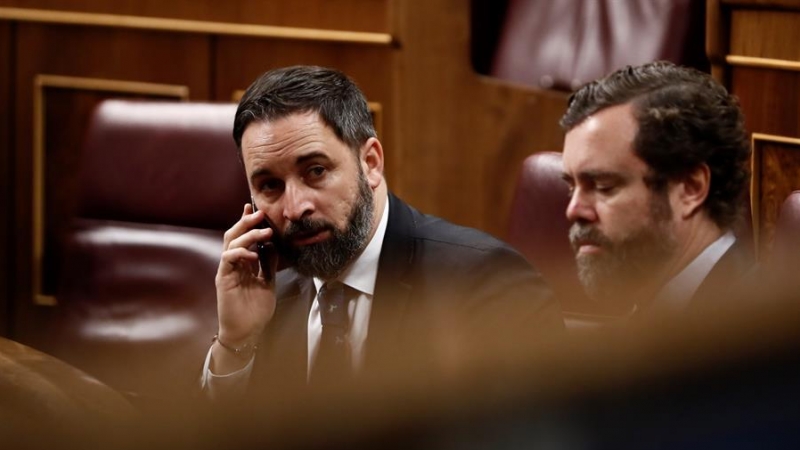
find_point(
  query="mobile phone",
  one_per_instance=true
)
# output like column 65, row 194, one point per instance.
column 265, row 250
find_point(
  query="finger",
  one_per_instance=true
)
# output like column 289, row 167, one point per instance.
column 251, row 237
column 247, row 222
column 232, row 259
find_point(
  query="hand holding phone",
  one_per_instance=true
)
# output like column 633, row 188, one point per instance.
column 265, row 250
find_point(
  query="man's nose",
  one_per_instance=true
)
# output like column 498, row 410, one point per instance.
column 581, row 208
column 297, row 203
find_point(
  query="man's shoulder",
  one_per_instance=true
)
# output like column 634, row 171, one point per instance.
column 732, row 279
column 441, row 232
column 436, row 239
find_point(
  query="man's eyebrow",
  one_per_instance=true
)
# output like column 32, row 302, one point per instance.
column 594, row 175
column 260, row 173
column 309, row 156
column 265, row 172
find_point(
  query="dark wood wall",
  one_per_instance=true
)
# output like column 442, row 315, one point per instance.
column 454, row 140
column 754, row 47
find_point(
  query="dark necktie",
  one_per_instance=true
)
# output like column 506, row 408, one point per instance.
column 333, row 355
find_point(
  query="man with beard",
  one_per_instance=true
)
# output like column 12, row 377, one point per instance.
column 369, row 278
column 656, row 159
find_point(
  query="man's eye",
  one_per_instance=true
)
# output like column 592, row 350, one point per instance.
column 605, row 189
column 271, row 185
column 316, row 171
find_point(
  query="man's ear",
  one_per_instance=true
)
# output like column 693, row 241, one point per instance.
column 693, row 191
column 371, row 160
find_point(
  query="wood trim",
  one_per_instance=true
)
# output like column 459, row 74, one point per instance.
column 716, row 45
column 106, row 85
column 755, row 180
column 40, row 83
column 762, row 63
column 195, row 26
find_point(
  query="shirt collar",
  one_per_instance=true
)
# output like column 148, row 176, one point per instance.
column 675, row 295
column 363, row 272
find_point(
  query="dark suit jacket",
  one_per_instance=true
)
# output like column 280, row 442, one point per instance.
column 436, row 281
column 729, row 282
column 726, row 286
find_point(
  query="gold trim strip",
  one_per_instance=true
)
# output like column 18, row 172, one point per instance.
column 775, row 138
column 40, row 82
column 755, row 181
column 38, row 194
column 195, row 26
column 762, row 63
column 104, row 85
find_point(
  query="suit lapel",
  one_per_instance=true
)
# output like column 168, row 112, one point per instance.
column 392, row 287
column 725, row 276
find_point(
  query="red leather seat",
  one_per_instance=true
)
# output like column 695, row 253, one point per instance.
column 562, row 44
column 160, row 183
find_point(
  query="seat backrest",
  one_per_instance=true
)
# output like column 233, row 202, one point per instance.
column 563, row 44
column 539, row 229
column 159, row 183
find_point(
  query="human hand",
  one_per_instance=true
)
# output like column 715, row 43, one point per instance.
column 245, row 296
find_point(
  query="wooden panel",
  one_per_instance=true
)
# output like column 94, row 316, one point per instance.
column 370, row 67
column 463, row 136
column 754, row 49
column 776, row 173
column 6, row 140
column 96, row 53
column 765, row 34
column 354, row 15
column 770, row 99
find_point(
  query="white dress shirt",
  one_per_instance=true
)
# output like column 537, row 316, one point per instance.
column 361, row 277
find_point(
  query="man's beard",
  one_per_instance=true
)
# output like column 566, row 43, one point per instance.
column 329, row 258
column 622, row 267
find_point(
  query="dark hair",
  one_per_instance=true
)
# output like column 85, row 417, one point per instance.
column 300, row 89
column 685, row 119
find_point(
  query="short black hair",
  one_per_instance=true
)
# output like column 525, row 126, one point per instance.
column 301, row 89
column 685, row 119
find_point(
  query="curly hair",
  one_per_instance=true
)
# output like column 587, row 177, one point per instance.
column 300, row 89
column 685, row 119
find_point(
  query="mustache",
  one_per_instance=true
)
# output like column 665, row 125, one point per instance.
column 306, row 226
column 583, row 234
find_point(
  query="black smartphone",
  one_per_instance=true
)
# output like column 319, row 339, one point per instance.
column 265, row 250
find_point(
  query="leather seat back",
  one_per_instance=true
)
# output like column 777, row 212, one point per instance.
column 160, row 183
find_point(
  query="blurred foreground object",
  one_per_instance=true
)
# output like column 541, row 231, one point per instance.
column 729, row 380
column 44, row 400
